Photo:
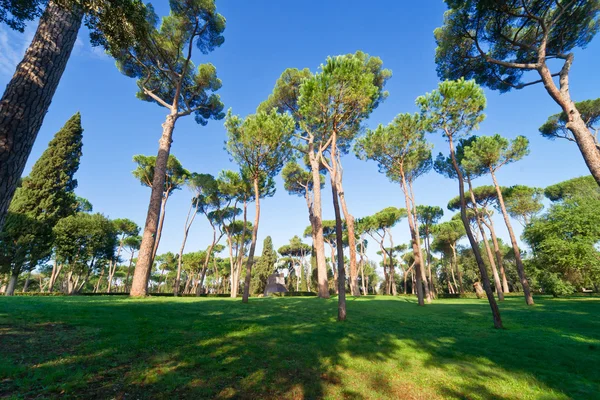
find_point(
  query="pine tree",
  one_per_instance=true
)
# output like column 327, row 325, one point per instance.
column 44, row 197
column 264, row 267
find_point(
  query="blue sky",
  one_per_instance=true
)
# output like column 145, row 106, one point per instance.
column 261, row 40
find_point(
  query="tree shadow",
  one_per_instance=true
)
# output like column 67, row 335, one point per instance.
column 292, row 348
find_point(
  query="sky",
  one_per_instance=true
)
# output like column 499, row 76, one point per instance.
column 262, row 39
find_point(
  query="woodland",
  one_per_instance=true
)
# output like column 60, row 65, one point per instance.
column 493, row 296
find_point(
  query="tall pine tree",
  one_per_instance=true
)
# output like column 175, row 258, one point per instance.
column 264, row 267
column 43, row 198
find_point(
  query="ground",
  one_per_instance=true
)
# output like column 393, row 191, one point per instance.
column 293, row 348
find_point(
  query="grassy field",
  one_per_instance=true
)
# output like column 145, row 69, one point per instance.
column 292, row 348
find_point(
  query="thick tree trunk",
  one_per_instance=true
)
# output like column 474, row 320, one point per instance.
column 582, row 135
column 319, row 243
column 250, row 260
column 29, row 93
column 354, row 291
column 490, row 226
column 515, row 246
column 12, row 284
column 143, row 267
column 474, row 246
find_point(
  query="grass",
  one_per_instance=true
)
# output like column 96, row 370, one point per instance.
column 292, row 348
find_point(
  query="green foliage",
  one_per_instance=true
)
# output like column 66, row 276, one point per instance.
column 492, row 152
column 552, row 284
column 43, row 198
column 496, row 41
column 160, row 59
column 260, row 143
column 428, row 216
column 263, row 267
column 297, row 180
column 400, row 148
column 381, row 220
column 565, row 239
column 447, row 234
column 583, row 186
column 176, row 175
column 556, row 126
column 455, row 107
column 523, row 202
column 443, row 164
column 485, row 196
column 15, row 13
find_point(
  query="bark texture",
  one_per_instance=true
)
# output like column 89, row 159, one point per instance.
column 319, row 242
column 250, row 260
column 29, row 93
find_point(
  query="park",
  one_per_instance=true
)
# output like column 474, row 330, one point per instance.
column 319, row 200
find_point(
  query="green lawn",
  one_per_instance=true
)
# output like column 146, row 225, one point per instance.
column 278, row 348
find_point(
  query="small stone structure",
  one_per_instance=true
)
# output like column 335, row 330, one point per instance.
column 275, row 284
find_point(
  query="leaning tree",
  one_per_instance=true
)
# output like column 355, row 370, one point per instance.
column 455, row 109
column 498, row 42
column 161, row 60
column 493, row 152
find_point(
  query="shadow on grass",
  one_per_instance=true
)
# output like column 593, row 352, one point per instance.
column 293, row 348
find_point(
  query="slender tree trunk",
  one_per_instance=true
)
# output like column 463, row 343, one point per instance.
column 129, row 272
column 28, row 95
column 354, row 291
column 474, row 246
column 186, row 231
column 454, row 264
column 143, row 267
column 55, row 271
column 490, row 226
column 334, row 268
column 27, row 281
column 415, row 243
column 250, row 260
column 515, row 246
column 163, row 212
column 338, row 234
column 323, row 283
column 418, row 239
column 112, row 267
column 582, row 135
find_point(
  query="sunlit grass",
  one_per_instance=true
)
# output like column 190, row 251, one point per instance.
column 65, row 347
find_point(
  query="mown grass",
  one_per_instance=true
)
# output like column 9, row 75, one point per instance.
column 292, row 348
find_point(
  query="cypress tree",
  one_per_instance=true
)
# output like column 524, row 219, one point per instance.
column 264, row 267
column 43, row 198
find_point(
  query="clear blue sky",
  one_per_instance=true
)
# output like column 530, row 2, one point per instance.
column 261, row 40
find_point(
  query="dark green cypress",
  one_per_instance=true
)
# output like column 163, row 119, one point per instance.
column 263, row 267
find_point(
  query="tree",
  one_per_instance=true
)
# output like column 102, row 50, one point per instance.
column 175, row 178
column 260, row 144
column 285, row 98
column 428, row 216
column 403, row 154
column 83, row 242
column 445, row 237
column 564, row 242
column 29, row 93
column 556, row 126
column 44, row 197
column 498, row 42
column 583, row 186
column 264, row 267
column 455, row 108
column 131, row 244
column 204, row 189
column 523, row 202
column 493, row 152
column 124, row 229
column 297, row 251
column 378, row 226
column 334, row 104
column 161, row 60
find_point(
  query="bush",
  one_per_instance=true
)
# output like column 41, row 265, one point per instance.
column 552, row 284
column 293, row 294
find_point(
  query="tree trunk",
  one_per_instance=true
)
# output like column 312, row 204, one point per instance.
column 112, row 267
column 354, row 291
column 12, row 284
column 250, row 260
column 454, row 264
column 129, row 272
column 418, row 238
column 163, row 212
column 474, row 246
column 513, row 240
column 29, row 93
column 55, row 271
column 186, row 230
column 338, row 235
column 490, row 226
column 415, row 243
column 27, row 281
column 582, row 135
column 143, row 267
column 323, row 284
